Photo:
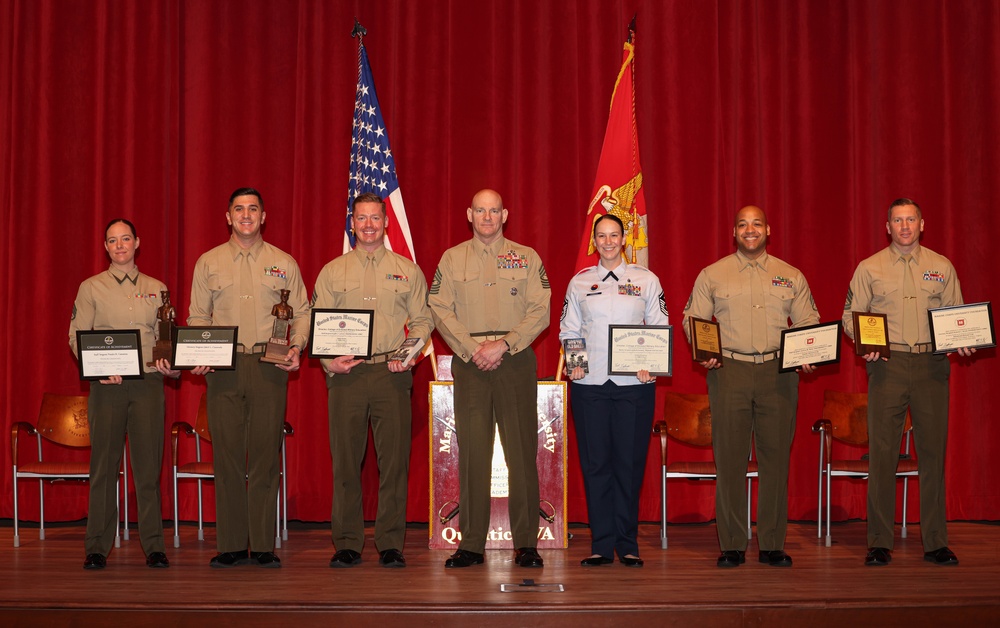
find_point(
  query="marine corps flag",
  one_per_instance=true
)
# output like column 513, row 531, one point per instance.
column 618, row 185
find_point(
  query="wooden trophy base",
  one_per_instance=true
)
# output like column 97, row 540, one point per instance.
column 162, row 350
column 275, row 352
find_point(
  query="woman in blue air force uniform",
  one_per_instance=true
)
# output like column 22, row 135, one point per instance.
column 613, row 414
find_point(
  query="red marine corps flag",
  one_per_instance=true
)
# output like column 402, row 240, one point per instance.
column 618, row 184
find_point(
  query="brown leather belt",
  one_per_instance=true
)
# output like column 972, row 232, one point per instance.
column 924, row 347
column 756, row 358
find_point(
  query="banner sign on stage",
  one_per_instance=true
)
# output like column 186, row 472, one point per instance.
column 962, row 326
column 634, row 348
column 445, row 509
column 103, row 353
column 871, row 334
column 202, row 345
column 337, row 332
column 815, row 345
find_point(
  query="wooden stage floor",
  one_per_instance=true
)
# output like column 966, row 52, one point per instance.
column 43, row 583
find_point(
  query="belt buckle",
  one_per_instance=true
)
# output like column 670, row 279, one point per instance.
column 758, row 358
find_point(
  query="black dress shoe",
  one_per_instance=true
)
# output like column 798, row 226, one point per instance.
column 628, row 561
column 527, row 557
column 345, row 558
column 877, row 557
column 463, row 558
column 223, row 560
column 95, row 561
column 391, row 558
column 731, row 558
column 941, row 556
column 775, row 558
column 267, row 560
column 157, row 560
column 596, row 561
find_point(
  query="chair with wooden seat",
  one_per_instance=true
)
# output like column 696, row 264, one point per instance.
column 202, row 468
column 62, row 423
column 687, row 419
column 845, row 420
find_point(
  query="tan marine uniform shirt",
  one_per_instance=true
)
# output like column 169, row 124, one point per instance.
column 723, row 290
column 216, row 292
column 400, row 289
column 110, row 300
column 479, row 288
column 877, row 286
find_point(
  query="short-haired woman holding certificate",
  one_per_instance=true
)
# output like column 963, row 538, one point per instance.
column 613, row 414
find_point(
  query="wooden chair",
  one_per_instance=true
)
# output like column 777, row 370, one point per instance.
column 62, row 422
column 845, row 420
column 202, row 468
column 687, row 419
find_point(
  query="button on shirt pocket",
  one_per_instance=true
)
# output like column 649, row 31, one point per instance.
column 513, row 283
column 224, row 296
column 886, row 295
column 932, row 292
column 393, row 292
column 779, row 304
column 731, row 304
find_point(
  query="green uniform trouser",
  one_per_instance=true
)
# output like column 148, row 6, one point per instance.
column 246, row 412
column 369, row 390
column 920, row 382
column 134, row 407
column 507, row 398
column 755, row 400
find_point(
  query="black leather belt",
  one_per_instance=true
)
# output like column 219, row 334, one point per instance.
column 254, row 350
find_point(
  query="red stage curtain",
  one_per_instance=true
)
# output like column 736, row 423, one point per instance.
column 820, row 111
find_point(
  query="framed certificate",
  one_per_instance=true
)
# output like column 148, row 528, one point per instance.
column 962, row 326
column 816, row 345
column 103, row 353
column 204, row 346
column 341, row 332
column 633, row 348
column 871, row 334
column 706, row 340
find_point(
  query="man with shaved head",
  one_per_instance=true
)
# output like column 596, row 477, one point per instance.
column 752, row 296
column 490, row 300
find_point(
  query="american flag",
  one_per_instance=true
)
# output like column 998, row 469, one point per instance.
column 373, row 168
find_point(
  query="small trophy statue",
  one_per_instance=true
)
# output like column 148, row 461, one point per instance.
column 165, row 315
column 277, row 346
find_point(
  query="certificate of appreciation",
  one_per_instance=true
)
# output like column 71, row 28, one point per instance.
column 337, row 332
column 103, row 353
column 815, row 345
column 634, row 348
column 962, row 326
column 200, row 345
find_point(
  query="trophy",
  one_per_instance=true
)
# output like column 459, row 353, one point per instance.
column 165, row 315
column 277, row 346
